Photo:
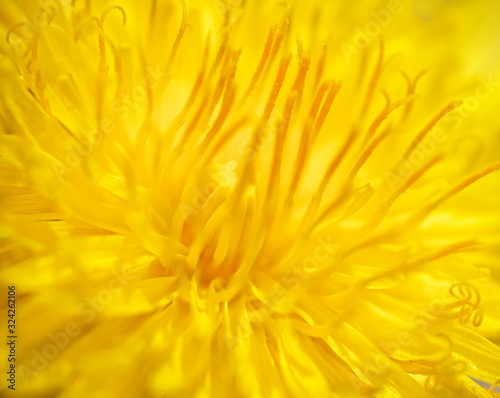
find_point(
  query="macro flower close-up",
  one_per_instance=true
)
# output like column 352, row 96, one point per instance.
column 250, row 198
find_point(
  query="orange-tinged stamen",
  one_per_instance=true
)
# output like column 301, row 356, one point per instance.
column 263, row 60
column 227, row 102
column 325, row 109
column 256, row 139
column 227, row 73
column 321, row 65
column 282, row 30
column 305, row 139
column 282, row 129
column 307, row 145
column 278, row 83
column 223, row 48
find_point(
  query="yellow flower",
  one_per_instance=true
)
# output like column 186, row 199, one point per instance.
column 230, row 198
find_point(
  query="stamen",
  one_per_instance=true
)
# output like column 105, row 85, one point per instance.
column 464, row 184
column 282, row 129
column 176, row 124
column 102, row 45
column 318, row 124
column 178, row 39
column 447, row 109
column 385, row 113
column 404, row 268
column 223, row 48
column 211, row 104
column 468, row 304
column 305, row 141
column 450, row 249
column 411, row 89
column 408, row 81
column 363, row 66
column 332, row 167
column 365, row 155
column 411, row 180
column 282, row 30
column 256, row 139
column 346, row 187
column 263, row 60
column 305, row 61
column 386, row 205
column 190, row 128
column 102, row 72
column 227, row 102
column 228, row 70
column 325, row 109
column 300, row 47
column 421, row 74
column 374, row 81
column 114, row 7
column 152, row 16
column 321, row 65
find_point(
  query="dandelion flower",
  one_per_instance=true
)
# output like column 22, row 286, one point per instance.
column 238, row 198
